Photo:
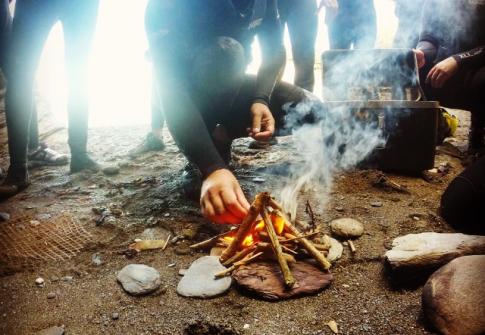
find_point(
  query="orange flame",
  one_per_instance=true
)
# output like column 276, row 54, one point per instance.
column 248, row 241
column 279, row 223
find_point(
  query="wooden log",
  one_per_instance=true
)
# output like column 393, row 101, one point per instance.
column 307, row 245
column 418, row 254
column 285, row 269
column 260, row 201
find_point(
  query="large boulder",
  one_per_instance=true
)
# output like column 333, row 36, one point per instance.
column 454, row 297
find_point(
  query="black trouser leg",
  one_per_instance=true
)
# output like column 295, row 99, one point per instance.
column 5, row 26
column 79, row 23
column 31, row 25
column 34, row 129
column 158, row 119
column 302, row 21
column 303, row 27
column 462, row 204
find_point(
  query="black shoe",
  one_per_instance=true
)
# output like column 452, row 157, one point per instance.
column 150, row 143
column 17, row 180
column 191, row 182
column 80, row 162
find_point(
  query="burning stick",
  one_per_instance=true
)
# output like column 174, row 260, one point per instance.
column 285, row 269
column 243, row 261
column 256, row 207
column 210, row 242
column 296, row 238
column 317, row 255
column 239, row 255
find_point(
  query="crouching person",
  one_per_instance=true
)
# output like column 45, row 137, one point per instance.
column 200, row 54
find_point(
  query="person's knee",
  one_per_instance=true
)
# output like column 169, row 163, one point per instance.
column 460, row 207
column 219, row 66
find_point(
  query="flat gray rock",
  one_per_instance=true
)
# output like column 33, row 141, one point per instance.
column 199, row 280
column 139, row 279
column 454, row 297
column 51, row 331
column 347, row 228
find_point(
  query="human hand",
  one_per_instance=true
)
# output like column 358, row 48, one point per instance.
column 262, row 122
column 222, row 199
column 441, row 72
column 419, row 57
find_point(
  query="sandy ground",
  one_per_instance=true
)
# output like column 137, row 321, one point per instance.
column 361, row 299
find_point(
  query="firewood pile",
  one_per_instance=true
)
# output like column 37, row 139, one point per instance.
column 266, row 233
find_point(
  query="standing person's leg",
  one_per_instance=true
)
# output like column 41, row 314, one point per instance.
column 339, row 32
column 79, row 22
column 303, row 27
column 365, row 26
column 154, row 139
column 31, row 25
column 5, row 26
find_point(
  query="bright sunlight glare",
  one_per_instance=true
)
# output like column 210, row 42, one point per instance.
column 120, row 74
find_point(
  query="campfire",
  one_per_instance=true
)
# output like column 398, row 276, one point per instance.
column 266, row 233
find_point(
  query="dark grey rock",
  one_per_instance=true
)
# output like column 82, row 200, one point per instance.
column 4, row 217
column 111, row 170
column 453, row 297
column 199, row 280
column 139, row 279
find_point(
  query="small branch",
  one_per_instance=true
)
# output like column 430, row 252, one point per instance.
column 309, row 211
column 166, row 242
column 239, row 255
column 210, row 242
column 314, row 252
column 352, row 246
column 285, row 269
column 244, row 261
column 259, row 202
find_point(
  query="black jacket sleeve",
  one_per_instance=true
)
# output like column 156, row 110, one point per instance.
column 474, row 57
column 270, row 37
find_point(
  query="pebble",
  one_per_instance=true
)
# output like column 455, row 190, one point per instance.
column 34, row 223
column 115, row 316
column 67, row 279
column 51, row 331
column 335, row 251
column 96, row 259
column 40, row 282
column 54, row 279
column 347, row 228
column 189, row 233
column 259, row 180
column 376, row 204
column 4, row 217
column 199, row 280
column 111, row 170
column 51, row 295
column 139, row 279
column 171, row 265
column 246, row 326
column 339, row 209
column 182, row 272
column 182, row 250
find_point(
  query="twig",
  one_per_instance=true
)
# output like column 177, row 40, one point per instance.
column 166, row 242
column 309, row 211
column 243, row 261
column 259, row 202
column 210, row 242
column 296, row 238
column 285, row 269
column 314, row 252
column 352, row 246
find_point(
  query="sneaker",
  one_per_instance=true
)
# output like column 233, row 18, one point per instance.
column 191, row 182
column 150, row 143
column 17, row 180
column 80, row 162
column 43, row 156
